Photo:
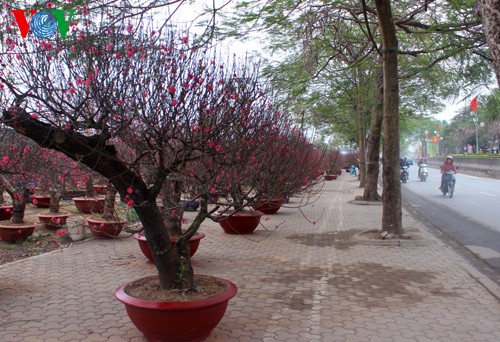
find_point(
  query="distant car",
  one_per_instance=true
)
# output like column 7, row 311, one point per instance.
column 409, row 161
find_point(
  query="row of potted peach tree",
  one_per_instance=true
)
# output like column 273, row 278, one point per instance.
column 138, row 112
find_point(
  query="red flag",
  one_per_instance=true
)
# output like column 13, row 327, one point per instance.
column 473, row 104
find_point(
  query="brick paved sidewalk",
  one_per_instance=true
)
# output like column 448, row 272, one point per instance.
column 299, row 282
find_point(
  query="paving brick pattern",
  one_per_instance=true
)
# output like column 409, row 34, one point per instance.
column 302, row 276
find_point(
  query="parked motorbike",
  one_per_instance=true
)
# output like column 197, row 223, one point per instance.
column 448, row 184
column 423, row 171
column 404, row 174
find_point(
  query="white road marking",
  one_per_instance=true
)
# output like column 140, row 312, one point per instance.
column 485, row 193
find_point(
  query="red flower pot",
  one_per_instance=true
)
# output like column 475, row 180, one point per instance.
column 100, row 189
column 330, row 177
column 6, row 212
column 177, row 321
column 194, row 243
column 12, row 233
column 88, row 205
column 241, row 222
column 105, row 228
column 40, row 201
column 53, row 221
column 268, row 207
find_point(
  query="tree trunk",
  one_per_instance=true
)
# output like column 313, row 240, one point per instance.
column 167, row 261
column 109, row 201
column 19, row 204
column 89, row 187
column 490, row 16
column 372, row 163
column 361, row 128
column 55, row 200
column 391, row 198
column 173, row 212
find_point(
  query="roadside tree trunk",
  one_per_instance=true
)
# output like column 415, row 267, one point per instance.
column 372, row 158
column 361, row 129
column 391, row 198
column 490, row 17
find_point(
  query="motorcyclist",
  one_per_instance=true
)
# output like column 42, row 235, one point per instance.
column 421, row 161
column 447, row 166
column 403, row 163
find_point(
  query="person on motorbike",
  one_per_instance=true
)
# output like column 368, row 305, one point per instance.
column 402, row 164
column 421, row 161
column 447, row 166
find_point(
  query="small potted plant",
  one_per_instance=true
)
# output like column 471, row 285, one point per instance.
column 332, row 170
column 90, row 203
column 107, row 225
column 16, row 228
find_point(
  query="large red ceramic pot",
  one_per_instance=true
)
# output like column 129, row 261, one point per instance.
column 269, row 207
column 194, row 243
column 40, row 201
column 106, row 229
column 88, row 205
column 177, row 321
column 11, row 233
column 243, row 222
column 53, row 221
column 6, row 212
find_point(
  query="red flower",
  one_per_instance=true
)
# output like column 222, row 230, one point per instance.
column 175, row 102
column 61, row 232
column 130, row 190
column 185, row 40
column 130, row 203
column 171, row 89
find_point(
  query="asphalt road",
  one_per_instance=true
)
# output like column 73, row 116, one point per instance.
column 468, row 222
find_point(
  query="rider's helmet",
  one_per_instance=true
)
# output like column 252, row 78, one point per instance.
column 449, row 157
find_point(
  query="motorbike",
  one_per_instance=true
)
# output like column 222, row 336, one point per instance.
column 423, row 171
column 404, row 174
column 448, row 184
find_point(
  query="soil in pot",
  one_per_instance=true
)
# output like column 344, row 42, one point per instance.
column 176, row 315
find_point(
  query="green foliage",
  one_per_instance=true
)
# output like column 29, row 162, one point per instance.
column 323, row 44
column 491, row 108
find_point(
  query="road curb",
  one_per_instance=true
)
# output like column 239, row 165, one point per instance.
column 487, row 283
